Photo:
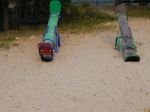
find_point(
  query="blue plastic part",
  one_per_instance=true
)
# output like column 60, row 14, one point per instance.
column 59, row 44
column 56, row 47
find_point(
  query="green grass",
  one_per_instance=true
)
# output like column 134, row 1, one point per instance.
column 139, row 11
column 83, row 18
column 7, row 38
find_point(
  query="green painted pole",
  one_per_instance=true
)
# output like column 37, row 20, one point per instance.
column 50, row 34
column 51, row 37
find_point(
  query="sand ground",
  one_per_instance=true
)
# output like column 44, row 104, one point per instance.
column 87, row 75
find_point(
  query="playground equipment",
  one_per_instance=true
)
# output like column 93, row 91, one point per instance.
column 125, row 43
column 51, row 38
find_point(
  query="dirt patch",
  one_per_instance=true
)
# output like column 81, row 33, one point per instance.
column 87, row 75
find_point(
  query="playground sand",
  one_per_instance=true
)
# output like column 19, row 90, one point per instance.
column 87, row 75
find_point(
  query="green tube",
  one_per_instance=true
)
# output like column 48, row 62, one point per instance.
column 50, row 34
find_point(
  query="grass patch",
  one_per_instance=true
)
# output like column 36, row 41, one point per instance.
column 7, row 38
column 83, row 18
column 139, row 11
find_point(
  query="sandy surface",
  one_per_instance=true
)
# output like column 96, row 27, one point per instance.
column 87, row 75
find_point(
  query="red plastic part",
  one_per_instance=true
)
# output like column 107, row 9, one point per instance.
column 45, row 49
